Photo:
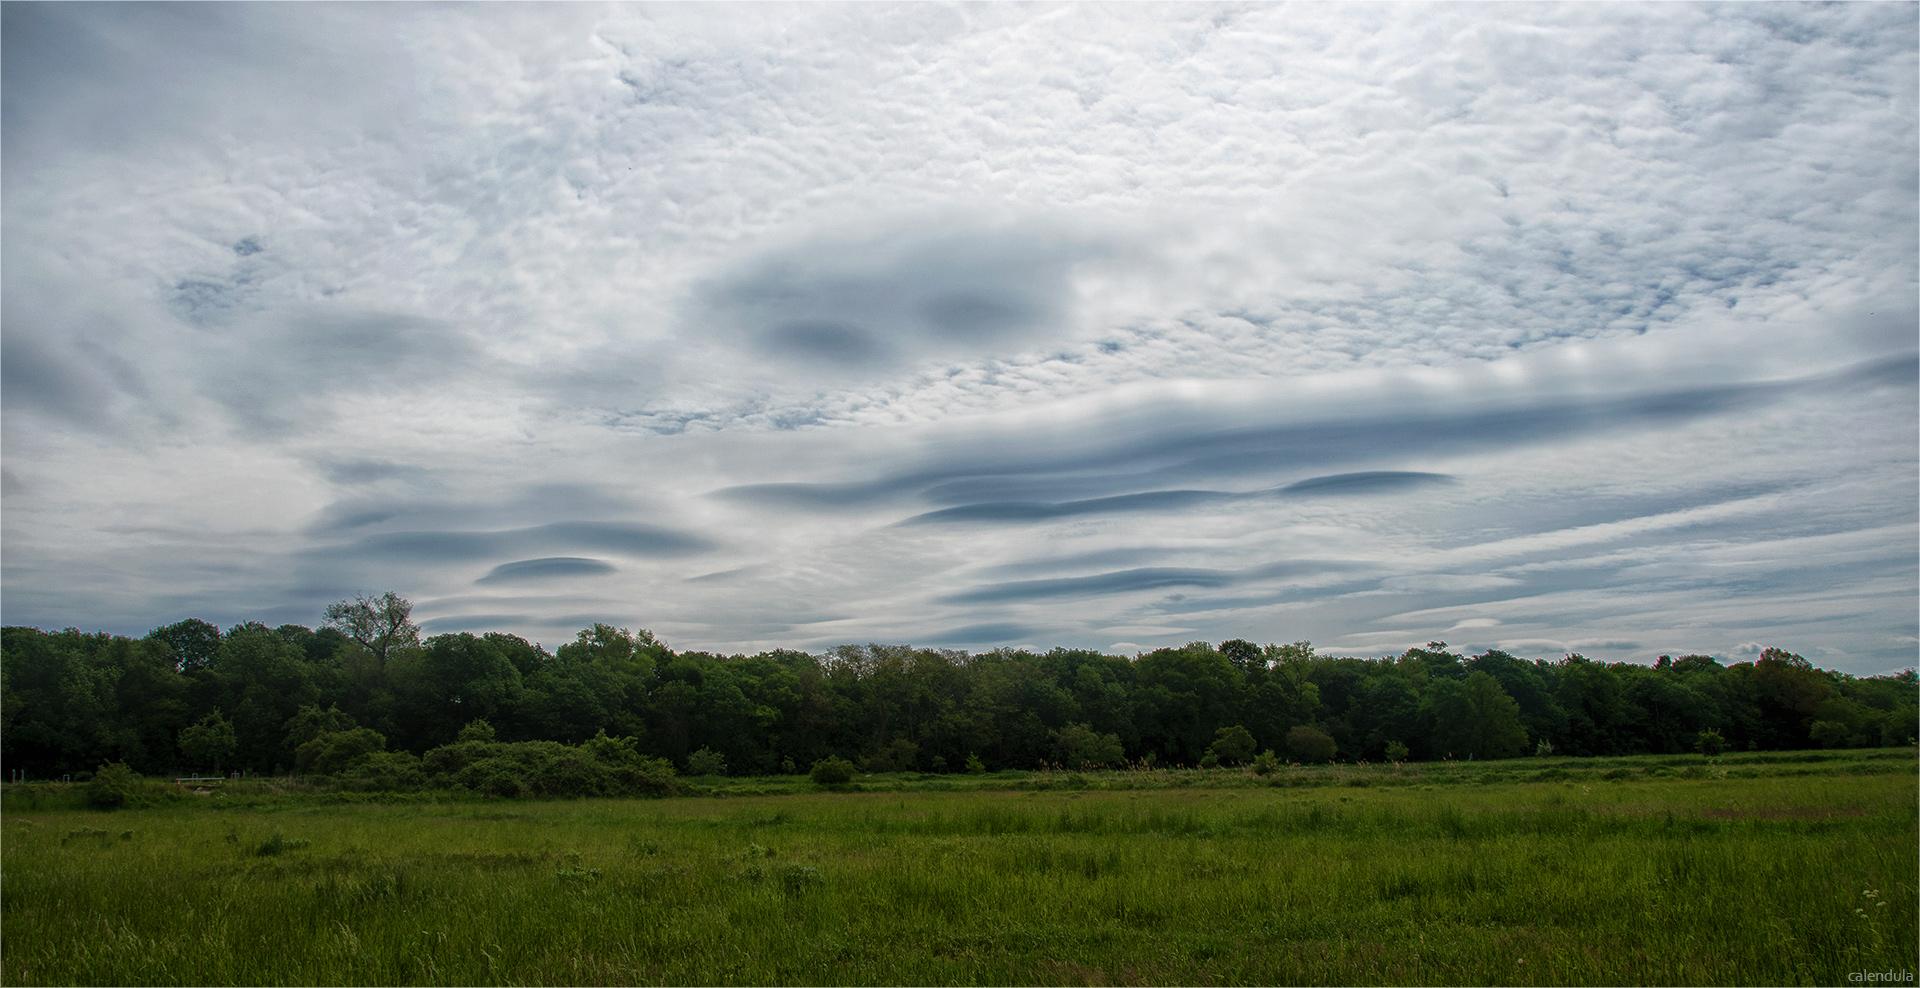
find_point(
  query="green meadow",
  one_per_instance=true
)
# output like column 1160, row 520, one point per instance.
column 1774, row 868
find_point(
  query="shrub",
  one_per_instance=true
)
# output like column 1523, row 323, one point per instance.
column 387, row 771
column 1829, row 734
column 113, row 786
column 1234, row 745
column 974, row 765
column 337, row 752
column 1077, row 747
column 280, row 844
column 1266, row 763
column 832, row 771
column 1309, row 744
column 476, row 730
column 706, row 761
column 1210, row 759
column 797, row 878
column 1710, row 742
column 1396, row 751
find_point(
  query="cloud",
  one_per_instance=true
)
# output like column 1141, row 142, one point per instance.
column 623, row 538
column 991, row 633
column 1592, row 320
column 1134, row 580
column 1371, row 482
column 940, row 286
column 552, row 567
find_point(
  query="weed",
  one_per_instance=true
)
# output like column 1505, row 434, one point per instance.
column 88, row 833
column 280, row 844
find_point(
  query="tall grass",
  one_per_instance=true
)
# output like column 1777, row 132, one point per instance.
column 1640, row 879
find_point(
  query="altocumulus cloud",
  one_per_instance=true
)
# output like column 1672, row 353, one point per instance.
column 1580, row 326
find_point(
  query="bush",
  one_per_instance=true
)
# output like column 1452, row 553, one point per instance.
column 113, row 786
column 1309, row 744
column 387, row 771
column 832, row 771
column 599, row 766
column 476, row 730
column 974, row 765
column 1396, row 751
column 1234, row 745
column 706, row 761
column 1077, row 747
column 1710, row 742
column 337, row 752
column 1266, row 763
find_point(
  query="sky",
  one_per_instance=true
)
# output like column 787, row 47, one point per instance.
column 1549, row 328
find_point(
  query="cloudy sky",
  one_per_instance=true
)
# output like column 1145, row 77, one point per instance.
column 1552, row 328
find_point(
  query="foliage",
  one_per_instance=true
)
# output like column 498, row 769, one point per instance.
column 1310, row 744
column 190, row 697
column 1709, row 742
column 113, row 786
column 1078, row 747
column 379, row 624
column 832, row 771
column 339, row 751
column 706, row 761
column 1235, row 745
column 210, row 741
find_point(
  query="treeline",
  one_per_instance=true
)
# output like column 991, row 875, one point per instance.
column 367, row 697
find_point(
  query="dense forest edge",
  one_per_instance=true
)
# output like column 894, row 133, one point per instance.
column 366, row 703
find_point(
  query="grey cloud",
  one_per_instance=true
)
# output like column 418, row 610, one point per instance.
column 111, row 78
column 624, row 538
column 1020, row 511
column 631, row 538
column 988, row 633
column 1367, row 482
column 1133, row 580
column 573, row 501
column 472, row 622
column 1195, row 445
column 878, row 302
column 1121, row 581
column 58, row 360
column 283, row 369
column 357, row 471
column 1371, row 482
column 551, row 567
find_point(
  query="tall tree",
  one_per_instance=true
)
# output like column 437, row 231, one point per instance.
column 378, row 623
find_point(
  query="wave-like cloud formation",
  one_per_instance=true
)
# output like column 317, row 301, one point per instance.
column 1546, row 327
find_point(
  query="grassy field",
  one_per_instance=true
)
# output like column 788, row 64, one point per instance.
column 1774, row 869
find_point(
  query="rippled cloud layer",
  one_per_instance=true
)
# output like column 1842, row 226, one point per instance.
column 1548, row 328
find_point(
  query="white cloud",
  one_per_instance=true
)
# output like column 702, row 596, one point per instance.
column 1634, row 285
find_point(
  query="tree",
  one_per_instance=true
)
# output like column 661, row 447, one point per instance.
column 211, row 740
column 1077, row 747
column 377, row 623
column 195, row 643
column 311, row 722
column 1242, row 653
column 1476, row 718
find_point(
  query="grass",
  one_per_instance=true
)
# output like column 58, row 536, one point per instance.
column 1523, row 872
